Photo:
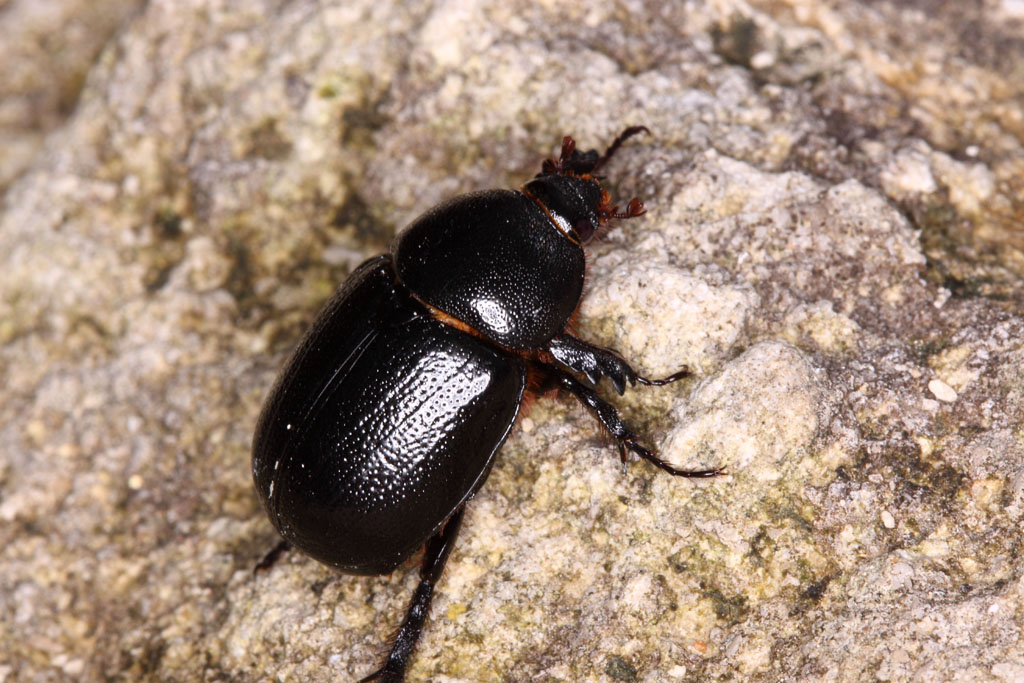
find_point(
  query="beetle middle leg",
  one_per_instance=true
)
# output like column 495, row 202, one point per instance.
column 437, row 550
column 625, row 438
column 594, row 362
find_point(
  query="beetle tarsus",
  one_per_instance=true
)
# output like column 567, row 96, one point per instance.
column 623, row 435
column 271, row 558
column 650, row 457
column 674, row 377
column 437, row 550
column 616, row 143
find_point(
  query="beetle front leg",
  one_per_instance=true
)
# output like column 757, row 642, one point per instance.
column 594, row 362
column 625, row 438
column 438, row 548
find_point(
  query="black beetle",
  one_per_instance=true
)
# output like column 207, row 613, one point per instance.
column 389, row 414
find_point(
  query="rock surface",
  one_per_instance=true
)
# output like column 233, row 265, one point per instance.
column 47, row 49
column 833, row 243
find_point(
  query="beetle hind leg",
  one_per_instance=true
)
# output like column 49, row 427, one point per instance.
column 271, row 558
column 625, row 438
column 434, row 559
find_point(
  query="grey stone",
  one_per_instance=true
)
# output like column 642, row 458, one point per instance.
column 833, row 242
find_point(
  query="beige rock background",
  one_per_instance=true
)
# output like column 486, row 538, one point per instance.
column 834, row 241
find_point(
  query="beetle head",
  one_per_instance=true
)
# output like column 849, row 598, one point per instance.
column 572, row 202
column 571, row 192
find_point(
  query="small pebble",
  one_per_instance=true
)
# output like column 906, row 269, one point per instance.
column 888, row 521
column 942, row 391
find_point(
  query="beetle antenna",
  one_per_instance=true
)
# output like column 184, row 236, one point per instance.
column 634, row 209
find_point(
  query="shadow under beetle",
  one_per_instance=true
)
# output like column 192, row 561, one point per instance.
column 388, row 416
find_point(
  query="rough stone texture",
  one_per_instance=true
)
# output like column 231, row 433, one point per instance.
column 46, row 49
column 834, row 243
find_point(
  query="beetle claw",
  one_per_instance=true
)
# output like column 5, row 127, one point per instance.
column 674, row 377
